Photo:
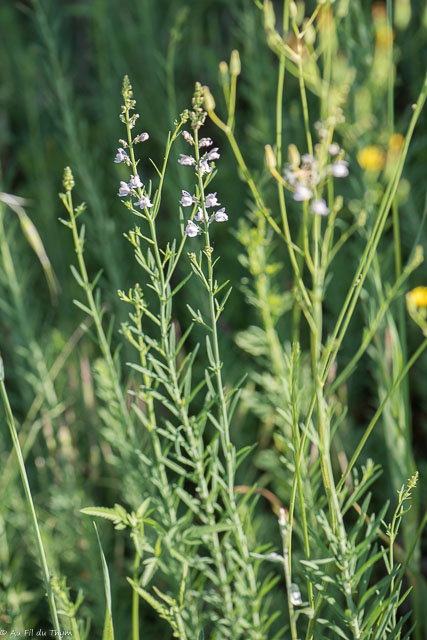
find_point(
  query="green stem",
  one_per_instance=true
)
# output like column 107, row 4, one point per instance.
column 286, row 236
column 371, row 246
column 27, row 490
column 394, row 291
column 368, row 431
column 285, row 532
column 135, row 600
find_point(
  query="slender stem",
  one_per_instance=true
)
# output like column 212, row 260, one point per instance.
column 27, row 490
column 285, row 533
column 304, row 102
column 371, row 246
column 135, row 600
column 403, row 372
column 372, row 329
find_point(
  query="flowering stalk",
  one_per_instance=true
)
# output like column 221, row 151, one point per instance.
column 216, row 365
column 88, row 287
column 161, row 284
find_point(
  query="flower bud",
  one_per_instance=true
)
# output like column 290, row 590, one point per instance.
column 418, row 257
column 269, row 17
column 68, row 180
column 293, row 156
column 235, row 65
column 270, row 158
column 402, row 13
column 209, row 101
column 223, row 68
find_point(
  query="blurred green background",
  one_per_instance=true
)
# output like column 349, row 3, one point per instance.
column 62, row 65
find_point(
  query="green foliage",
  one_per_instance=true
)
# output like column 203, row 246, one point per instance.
column 238, row 396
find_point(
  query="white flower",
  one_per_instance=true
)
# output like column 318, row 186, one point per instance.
column 339, row 169
column 121, row 156
column 220, row 215
column 191, row 230
column 211, row 201
column 186, row 160
column 124, row 189
column 302, row 193
column 204, row 167
column 143, row 202
column 334, row 149
column 187, row 200
column 142, row 137
column 205, row 142
column 199, row 215
column 135, row 182
column 307, row 158
column 290, row 175
column 188, row 137
column 213, row 154
column 319, row 207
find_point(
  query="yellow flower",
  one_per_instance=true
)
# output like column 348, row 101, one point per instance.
column 395, row 143
column 371, row 158
column 417, row 297
column 384, row 36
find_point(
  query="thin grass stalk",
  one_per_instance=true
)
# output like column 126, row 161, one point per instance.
column 30, row 503
column 369, row 334
column 403, row 372
column 371, row 246
column 135, row 599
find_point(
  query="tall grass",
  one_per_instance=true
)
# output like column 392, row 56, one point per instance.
column 244, row 412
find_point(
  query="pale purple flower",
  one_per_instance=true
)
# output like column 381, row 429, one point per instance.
column 142, row 137
column 220, row 215
column 213, row 154
column 339, row 169
column 186, row 160
column 199, row 215
column 135, row 182
column 211, row 201
column 191, row 230
column 319, row 207
column 187, row 200
column 302, row 193
column 204, row 167
column 121, row 156
column 205, row 142
column 188, row 137
column 124, row 189
column 334, row 149
column 143, row 202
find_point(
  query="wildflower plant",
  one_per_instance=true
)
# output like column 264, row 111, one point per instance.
column 192, row 533
column 209, row 565
column 283, row 537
